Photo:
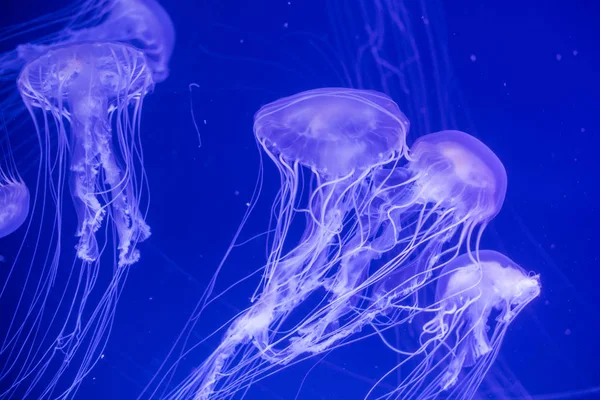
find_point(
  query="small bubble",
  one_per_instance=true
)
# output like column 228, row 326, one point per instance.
column 582, row 130
column 558, row 57
column 575, row 52
column 241, row 40
column 473, row 57
column 285, row 25
column 237, row 192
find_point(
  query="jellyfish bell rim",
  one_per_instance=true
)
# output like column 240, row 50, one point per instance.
column 268, row 125
column 142, row 84
column 475, row 147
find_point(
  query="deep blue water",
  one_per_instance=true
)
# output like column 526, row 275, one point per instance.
column 522, row 76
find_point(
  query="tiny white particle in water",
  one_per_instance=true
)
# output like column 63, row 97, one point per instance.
column 575, row 52
column 204, row 122
column 241, row 40
column 285, row 25
column 558, row 57
column 247, row 204
column 237, row 192
column 102, row 356
column 473, row 57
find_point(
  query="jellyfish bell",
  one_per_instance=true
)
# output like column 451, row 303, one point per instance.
column 469, row 290
column 143, row 24
column 333, row 130
column 459, row 169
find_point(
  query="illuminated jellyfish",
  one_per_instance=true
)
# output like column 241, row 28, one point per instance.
column 84, row 86
column 477, row 296
column 14, row 196
column 86, row 103
column 88, row 85
column 326, row 143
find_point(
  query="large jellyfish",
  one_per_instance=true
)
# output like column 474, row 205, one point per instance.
column 89, row 85
column 326, row 143
column 84, row 88
column 85, row 99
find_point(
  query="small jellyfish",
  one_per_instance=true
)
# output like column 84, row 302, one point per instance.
column 476, row 299
column 14, row 196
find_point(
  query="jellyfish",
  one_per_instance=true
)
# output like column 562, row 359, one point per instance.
column 14, row 195
column 477, row 296
column 86, row 101
column 325, row 143
column 89, row 85
column 84, row 87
